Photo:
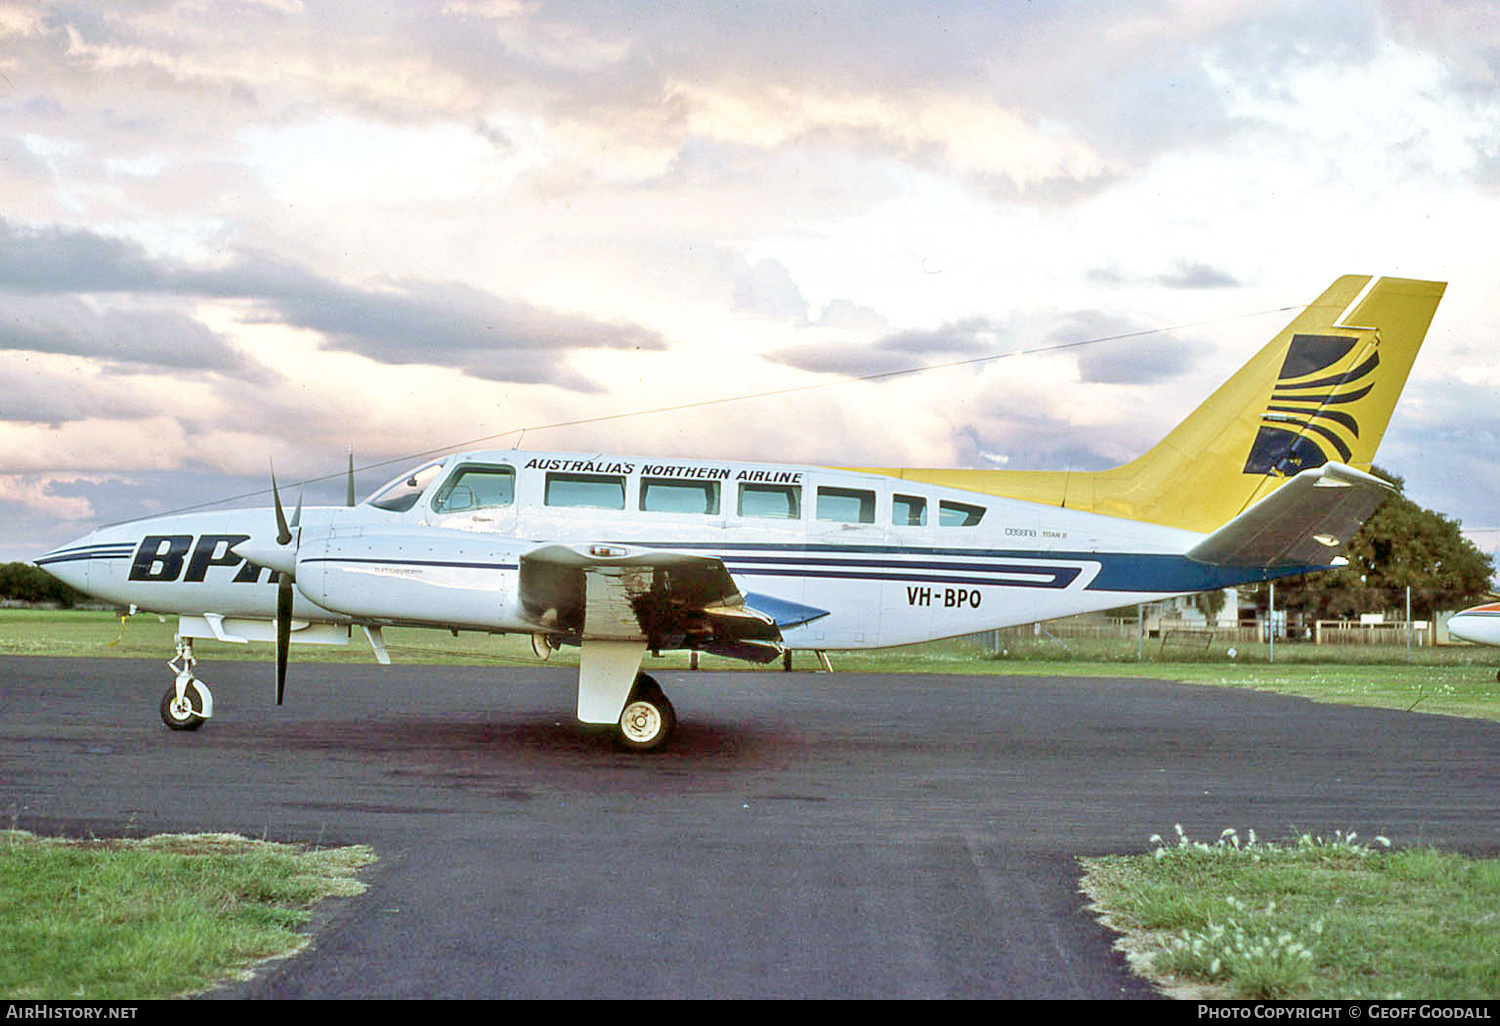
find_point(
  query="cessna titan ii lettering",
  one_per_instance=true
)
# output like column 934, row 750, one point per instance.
column 621, row 555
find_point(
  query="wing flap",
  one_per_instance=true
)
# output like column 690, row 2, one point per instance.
column 1306, row 522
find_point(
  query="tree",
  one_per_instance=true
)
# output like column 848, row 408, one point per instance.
column 23, row 582
column 1402, row 545
column 1210, row 604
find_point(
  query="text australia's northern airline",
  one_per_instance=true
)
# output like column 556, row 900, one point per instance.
column 625, row 555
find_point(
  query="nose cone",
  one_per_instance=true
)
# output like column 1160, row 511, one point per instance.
column 74, row 562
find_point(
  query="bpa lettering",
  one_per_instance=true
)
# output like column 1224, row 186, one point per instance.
column 161, row 557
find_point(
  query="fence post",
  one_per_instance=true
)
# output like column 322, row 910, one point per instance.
column 1271, row 626
column 1408, row 623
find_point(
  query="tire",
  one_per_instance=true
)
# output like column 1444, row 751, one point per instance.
column 646, row 687
column 648, row 719
column 184, row 715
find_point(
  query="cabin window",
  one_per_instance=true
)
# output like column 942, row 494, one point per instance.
column 908, row 511
column 959, row 514
column 846, row 505
column 473, row 488
column 402, row 494
column 782, row 502
column 669, row 495
column 594, row 491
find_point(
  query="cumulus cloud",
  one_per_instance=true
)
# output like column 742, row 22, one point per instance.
column 39, row 498
column 443, row 323
column 449, row 324
column 1196, row 276
column 767, row 287
column 1452, row 424
column 897, row 352
column 967, row 135
column 132, row 337
column 1113, row 350
column 1107, row 350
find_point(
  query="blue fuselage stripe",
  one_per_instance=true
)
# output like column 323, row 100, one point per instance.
column 1161, row 573
column 113, row 551
column 1059, row 578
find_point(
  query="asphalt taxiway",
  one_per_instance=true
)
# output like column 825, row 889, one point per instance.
column 805, row 835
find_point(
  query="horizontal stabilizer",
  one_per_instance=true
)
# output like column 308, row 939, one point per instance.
column 1304, row 523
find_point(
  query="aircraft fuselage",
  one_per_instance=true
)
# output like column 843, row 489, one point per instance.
column 881, row 561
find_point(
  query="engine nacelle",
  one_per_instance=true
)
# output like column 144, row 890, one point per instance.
column 431, row 579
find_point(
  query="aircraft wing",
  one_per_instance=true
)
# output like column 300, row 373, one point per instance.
column 1303, row 523
column 665, row 598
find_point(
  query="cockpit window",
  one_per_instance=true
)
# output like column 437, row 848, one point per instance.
column 402, row 494
column 471, row 488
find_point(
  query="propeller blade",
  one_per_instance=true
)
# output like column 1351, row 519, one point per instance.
column 349, row 491
column 296, row 513
column 283, row 631
column 283, row 533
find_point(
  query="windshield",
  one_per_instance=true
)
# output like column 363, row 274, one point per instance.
column 402, row 494
column 476, row 487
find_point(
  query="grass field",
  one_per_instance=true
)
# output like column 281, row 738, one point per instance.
column 156, row 918
column 1338, row 918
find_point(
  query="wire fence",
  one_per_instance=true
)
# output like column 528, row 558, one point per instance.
column 1182, row 628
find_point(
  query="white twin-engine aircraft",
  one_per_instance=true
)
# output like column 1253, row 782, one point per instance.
column 1477, row 624
column 621, row 555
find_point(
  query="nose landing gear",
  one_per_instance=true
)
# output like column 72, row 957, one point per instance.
column 188, row 703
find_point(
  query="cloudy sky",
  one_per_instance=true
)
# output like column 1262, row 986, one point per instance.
column 233, row 231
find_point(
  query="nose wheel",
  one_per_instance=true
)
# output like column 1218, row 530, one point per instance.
column 188, row 703
column 648, row 719
column 185, row 711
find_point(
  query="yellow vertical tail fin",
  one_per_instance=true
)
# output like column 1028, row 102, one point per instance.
column 1321, row 391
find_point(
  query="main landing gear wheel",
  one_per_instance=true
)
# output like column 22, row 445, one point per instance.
column 185, row 711
column 648, row 719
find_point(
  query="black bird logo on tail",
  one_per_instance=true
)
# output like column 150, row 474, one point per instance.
column 1308, row 420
